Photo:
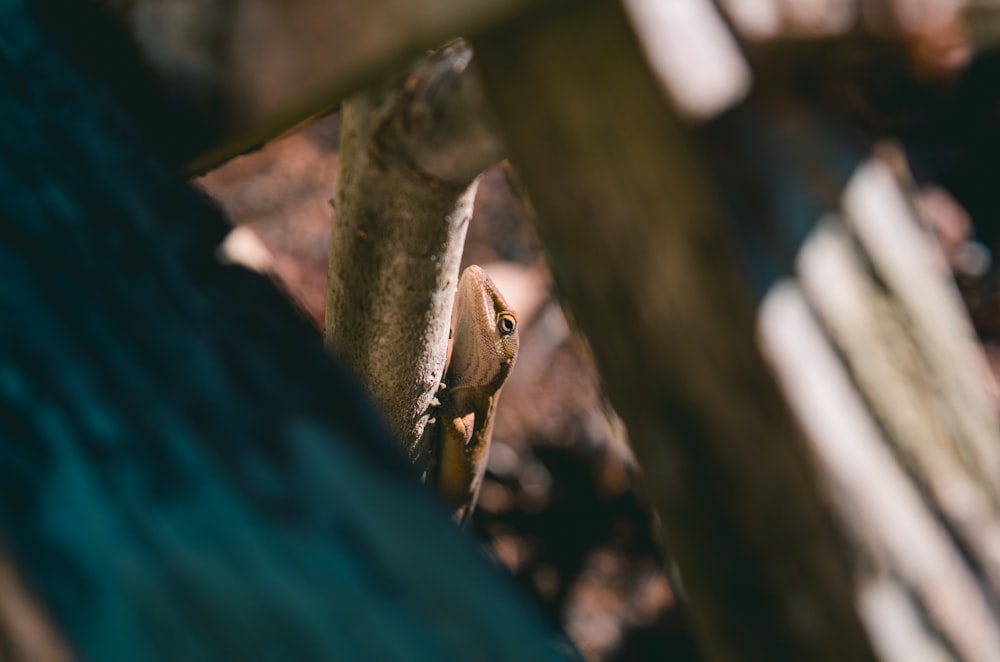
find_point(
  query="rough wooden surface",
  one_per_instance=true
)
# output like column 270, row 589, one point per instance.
column 626, row 213
column 410, row 152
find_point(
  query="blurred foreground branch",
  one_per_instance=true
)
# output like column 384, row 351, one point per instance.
column 184, row 472
column 627, row 213
column 259, row 68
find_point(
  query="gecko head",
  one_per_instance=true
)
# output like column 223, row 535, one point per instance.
column 485, row 338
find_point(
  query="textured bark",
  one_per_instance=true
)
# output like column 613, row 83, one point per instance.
column 627, row 214
column 410, row 151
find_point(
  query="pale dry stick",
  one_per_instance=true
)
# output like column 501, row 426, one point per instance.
column 902, row 256
column 870, row 486
column 885, row 362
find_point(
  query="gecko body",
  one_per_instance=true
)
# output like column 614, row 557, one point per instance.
column 484, row 347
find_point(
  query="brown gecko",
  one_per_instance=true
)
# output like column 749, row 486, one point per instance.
column 484, row 346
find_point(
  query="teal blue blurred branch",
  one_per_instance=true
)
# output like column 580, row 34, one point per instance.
column 184, row 473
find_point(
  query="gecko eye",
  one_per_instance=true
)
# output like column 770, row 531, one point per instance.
column 506, row 324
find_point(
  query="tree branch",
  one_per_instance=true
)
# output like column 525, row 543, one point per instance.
column 410, row 151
